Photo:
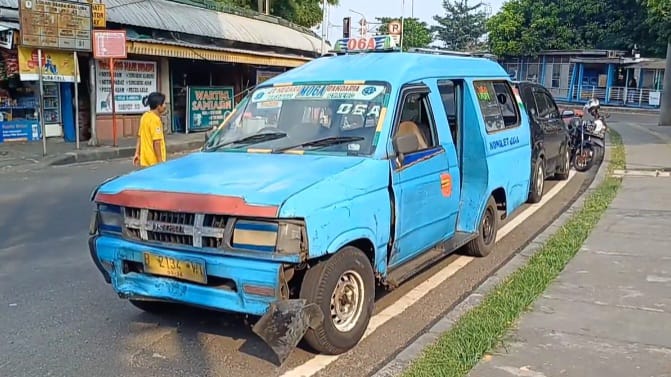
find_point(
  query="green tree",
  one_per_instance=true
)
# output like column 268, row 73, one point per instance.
column 416, row 33
column 659, row 20
column 525, row 27
column 462, row 26
column 306, row 13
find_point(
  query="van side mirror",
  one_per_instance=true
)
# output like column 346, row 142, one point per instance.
column 567, row 114
column 404, row 144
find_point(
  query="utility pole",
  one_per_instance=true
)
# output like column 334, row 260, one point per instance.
column 665, row 109
column 325, row 23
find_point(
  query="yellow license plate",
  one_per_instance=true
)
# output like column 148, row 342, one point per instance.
column 190, row 269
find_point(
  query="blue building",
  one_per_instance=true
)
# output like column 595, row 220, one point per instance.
column 574, row 76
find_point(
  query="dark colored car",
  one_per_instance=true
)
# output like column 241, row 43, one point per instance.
column 550, row 138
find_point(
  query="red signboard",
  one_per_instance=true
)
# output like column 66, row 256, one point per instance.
column 109, row 44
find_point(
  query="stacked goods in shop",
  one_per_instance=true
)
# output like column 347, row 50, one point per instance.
column 10, row 60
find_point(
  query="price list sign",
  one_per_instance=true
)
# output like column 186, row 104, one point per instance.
column 56, row 24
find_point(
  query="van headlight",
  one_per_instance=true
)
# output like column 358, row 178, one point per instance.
column 110, row 218
column 284, row 237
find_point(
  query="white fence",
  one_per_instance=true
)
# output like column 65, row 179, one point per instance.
column 633, row 97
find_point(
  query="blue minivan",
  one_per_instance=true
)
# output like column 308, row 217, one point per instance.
column 352, row 170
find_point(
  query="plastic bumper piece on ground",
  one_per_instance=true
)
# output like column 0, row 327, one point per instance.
column 234, row 284
column 285, row 324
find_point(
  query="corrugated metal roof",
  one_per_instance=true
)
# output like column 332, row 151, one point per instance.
column 182, row 18
column 9, row 25
column 649, row 64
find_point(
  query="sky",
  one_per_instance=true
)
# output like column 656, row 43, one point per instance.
column 423, row 9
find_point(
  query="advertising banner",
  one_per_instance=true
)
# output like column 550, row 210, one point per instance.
column 134, row 79
column 56, row 65
column 208, row 106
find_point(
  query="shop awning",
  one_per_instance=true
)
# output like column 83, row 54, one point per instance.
column 154, row 47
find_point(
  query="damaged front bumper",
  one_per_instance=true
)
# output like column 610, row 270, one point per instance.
column 240, row 285
column 234, row 284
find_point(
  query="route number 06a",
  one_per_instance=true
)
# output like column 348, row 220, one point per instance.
column 361, row 44
column 360, row 109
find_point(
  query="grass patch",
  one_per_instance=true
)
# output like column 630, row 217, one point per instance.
column 481, row 329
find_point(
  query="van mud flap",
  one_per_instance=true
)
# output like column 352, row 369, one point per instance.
column 285, row 324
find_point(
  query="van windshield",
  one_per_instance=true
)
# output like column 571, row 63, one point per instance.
column 325, row 118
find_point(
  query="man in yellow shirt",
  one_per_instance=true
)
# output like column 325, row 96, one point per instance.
column 150, row 148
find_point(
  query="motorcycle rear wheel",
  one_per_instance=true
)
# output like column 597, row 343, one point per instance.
column 582, row 162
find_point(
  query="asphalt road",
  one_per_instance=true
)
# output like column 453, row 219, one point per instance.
column 59, row 318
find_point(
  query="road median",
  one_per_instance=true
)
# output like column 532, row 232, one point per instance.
column 481, row 328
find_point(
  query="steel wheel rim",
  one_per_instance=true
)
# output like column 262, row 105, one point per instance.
column 539, row 179
column 567, row 162
column 488, row 226
column 347, row 301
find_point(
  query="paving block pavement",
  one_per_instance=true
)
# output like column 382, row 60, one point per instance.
column 29, row 155
column 609, row 312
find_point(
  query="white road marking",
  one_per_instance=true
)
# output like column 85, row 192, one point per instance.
column 320, row 362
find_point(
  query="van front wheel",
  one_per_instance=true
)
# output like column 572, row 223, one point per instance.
column 484, row 243
column 344, row 288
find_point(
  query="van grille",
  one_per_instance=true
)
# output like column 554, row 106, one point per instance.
column 178, row 228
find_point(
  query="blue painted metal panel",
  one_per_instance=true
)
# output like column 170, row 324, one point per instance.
column 475, row 170
column 394, row 67
column 67, row 110
column 264, row 179
column 506, row 148
column 571, row 86
column 609, row 81
column 341, row 208
column 242, row 271
column 581, row 73
column 424, row 215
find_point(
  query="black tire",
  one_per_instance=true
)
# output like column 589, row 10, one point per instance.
column 588, row 164
column 565, row 165
column 319, row 285
column 154, row 307
column 537, row 182
column 489, row 224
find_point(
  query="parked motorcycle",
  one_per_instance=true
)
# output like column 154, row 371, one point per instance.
column 587, row 136
column 582, row 147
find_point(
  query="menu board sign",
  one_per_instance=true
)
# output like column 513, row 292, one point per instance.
column 133, row 79
column 56, row 24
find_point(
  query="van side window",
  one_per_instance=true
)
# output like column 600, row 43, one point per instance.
column 417, row 118
column 498, row 105
column 446, row 89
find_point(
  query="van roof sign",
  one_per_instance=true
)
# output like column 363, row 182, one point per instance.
column 365, row 44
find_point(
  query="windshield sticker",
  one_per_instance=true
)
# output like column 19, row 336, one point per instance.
column 361, row 92
column 359, row 109
column 483, row 93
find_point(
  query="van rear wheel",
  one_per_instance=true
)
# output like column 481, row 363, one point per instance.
column 484, row 243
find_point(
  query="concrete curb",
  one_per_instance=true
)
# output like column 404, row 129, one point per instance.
column 112, row 153
column 402, row 361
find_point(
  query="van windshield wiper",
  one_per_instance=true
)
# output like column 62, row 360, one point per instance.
column 321, row 143
column 253, row 139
